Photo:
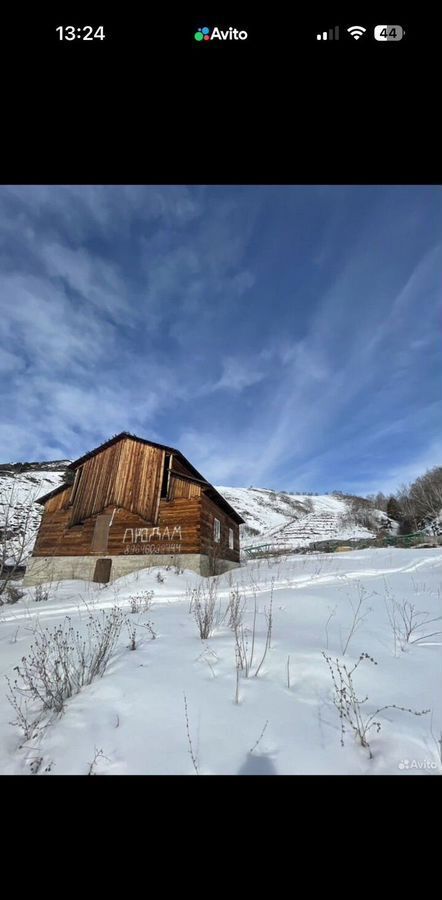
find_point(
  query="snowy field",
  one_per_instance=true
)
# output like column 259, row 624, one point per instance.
column 133, row 719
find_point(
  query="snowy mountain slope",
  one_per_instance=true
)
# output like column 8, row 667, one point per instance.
column 20, row 486
column 284, row 520
column 315, row 526
column 263, row 509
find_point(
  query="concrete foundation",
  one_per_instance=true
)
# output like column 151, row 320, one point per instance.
column 40, row 569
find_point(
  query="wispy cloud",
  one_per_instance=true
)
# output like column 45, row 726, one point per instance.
column 283, row 336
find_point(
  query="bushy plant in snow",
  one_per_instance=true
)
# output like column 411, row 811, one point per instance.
column 12, row 594
column 205, row 608
column 61, row 661
column 349, row 705
column 40, row 594
column 141, row 602
column 408, row 624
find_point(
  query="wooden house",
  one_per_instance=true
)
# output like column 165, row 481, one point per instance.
column 132, row 503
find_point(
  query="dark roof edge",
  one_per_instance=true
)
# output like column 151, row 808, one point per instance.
column 57, row 490
column 126, row 434
column 114, row 440
column 221, row 501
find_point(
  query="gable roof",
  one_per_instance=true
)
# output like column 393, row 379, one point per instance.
column 211, row 491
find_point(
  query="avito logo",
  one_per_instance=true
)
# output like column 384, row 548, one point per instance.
column 231, row 34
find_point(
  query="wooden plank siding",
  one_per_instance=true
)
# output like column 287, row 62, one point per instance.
column 127, row 474
column 59, row 501
column 115, row 507
column 179, row 487
column 209, row 512
column 178, row 523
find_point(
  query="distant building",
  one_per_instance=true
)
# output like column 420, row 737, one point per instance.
column 133, row 503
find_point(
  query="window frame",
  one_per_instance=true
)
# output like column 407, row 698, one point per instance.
column 216, row 530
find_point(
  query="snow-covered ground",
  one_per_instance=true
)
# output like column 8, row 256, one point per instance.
column 132, row 720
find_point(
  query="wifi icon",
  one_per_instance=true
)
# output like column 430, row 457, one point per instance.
column 356, row 31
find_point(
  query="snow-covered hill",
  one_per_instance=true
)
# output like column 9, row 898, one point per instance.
column 290, row 521
column 284, row 520
column 20, row 486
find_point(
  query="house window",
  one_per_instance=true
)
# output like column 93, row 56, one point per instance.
column 216, row 530
column 230, row 538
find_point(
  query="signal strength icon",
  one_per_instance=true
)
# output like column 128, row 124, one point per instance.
column 331, row 35
column 356, row 31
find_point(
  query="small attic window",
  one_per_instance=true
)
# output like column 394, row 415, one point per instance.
column 216, row 530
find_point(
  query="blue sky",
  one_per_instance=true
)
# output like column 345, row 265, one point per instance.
column 285, row 337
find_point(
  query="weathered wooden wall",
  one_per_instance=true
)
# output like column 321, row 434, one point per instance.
column 210, row 511
column 181, row 488
column 115, row 508
column 177, row 530
column 59, row 501
column 127, row 474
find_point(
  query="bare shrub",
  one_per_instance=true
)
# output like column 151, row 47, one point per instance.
column 25, row 718
column 269, row 619
column 209, row 651
column 178, row 565
column 243, row 659
column 160, row 577
column 205, row 608
column 332, row 613
column 260, row 738
column 134, row 641
column 359, row 613
column 135, row 605
column 35, row 765
column 235, row 611
column 40, row 594
column 189, row 739
column 141, row 602
column 12, row 594
column 235, row 608
column 406, row 622
column 349, row 705
column 62, row 661
column 98, row 755
column 132, row 631
column 245, row 638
